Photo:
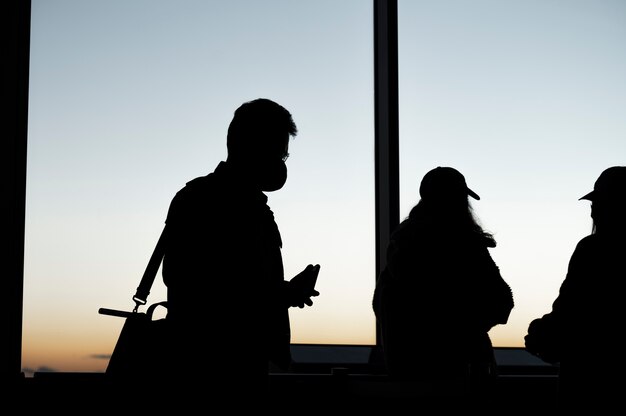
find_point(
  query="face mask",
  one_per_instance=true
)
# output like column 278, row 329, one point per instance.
column 272, row 176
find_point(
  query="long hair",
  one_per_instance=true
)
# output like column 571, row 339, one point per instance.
column 449, row 215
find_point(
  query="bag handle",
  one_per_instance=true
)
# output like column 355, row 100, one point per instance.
column 152, row 307
column 143, row 290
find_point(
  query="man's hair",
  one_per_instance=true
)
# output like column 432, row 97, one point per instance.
column 254, row 123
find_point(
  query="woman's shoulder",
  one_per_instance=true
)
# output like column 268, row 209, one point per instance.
column 413, row 232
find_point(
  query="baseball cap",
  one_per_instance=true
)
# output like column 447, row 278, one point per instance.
column 611, row 184
column 444, row 181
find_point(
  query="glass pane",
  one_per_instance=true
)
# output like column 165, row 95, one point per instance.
column 527, row 99
column 131, row 99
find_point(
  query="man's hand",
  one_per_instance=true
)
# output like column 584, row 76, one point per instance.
column 302, row 287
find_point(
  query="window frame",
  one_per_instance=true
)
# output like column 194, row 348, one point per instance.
column 385, row 13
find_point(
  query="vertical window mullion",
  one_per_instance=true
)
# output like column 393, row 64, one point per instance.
column 386, row 125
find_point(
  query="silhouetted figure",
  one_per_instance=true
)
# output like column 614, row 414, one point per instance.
column 583, row 329
column 441, row 292
column 227, row 296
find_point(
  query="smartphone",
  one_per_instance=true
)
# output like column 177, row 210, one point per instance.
column 307, row 278
column 316, row 272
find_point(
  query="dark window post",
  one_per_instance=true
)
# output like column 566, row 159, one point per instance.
column 13, row 164
column 386, row 125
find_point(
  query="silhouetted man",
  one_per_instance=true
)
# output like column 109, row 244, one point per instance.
column 581, row 331
column 227, row 297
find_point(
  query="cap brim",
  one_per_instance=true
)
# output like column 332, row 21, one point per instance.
column 473, row 194
column 588, row 197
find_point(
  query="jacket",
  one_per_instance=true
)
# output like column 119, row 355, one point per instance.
column 580, row 331
column 437, row 298
column 224, row 275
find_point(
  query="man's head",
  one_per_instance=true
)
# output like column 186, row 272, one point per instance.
column 608, row 200
column 258, row 141
column 610, row 186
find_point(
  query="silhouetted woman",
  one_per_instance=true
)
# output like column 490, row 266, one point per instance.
column 441, row 292
column 587, row 318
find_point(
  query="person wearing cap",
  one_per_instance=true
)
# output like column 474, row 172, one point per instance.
column 441, row 292
column 579, row 333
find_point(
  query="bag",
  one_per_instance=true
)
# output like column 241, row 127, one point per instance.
column 143, row 347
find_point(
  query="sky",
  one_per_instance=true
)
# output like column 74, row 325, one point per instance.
column 131, row 99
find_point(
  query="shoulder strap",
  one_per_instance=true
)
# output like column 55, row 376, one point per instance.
column 143, row 290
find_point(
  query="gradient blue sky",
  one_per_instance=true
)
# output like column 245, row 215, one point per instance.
column 130, row 99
